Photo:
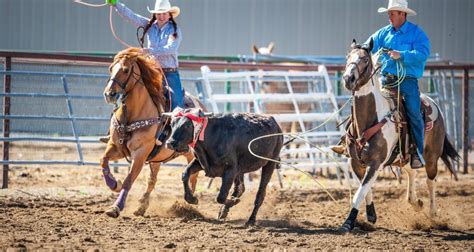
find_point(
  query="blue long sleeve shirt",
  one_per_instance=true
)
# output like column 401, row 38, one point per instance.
column 161, row 43
column 412, row 43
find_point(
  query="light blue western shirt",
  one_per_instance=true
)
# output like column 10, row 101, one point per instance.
column 161, row 43
column 412, row 43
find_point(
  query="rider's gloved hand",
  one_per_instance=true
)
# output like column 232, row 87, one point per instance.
column 111, row 2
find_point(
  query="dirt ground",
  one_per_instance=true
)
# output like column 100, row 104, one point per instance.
column 62, row 207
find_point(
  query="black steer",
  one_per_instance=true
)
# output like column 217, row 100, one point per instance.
column 220, row 144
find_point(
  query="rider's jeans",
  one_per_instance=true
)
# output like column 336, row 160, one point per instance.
column 177, row 93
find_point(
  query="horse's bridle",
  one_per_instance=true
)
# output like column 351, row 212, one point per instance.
column 369, row 66
column 123, row 85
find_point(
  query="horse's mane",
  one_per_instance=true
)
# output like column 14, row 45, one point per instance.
column 152, row 77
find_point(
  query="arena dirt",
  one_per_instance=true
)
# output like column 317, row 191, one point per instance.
column 61, row 207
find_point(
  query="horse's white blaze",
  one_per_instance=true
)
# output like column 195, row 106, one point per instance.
column 352, row 69
column 115, row 69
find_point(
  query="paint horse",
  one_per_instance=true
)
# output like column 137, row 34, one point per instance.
column 372, row 115
column 137, row 80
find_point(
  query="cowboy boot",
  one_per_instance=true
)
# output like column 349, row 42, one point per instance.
column 340, row 147
column 162, row 135
column 104, row 139
column 415, row 161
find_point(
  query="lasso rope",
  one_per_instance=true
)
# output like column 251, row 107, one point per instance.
column 90, row 5
column 401, row 74
column 110, row 20
column 298, row 136
column 124, row 43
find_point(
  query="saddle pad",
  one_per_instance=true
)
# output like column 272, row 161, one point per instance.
column 430, row 111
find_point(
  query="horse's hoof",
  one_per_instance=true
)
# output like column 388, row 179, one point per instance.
column 433, row 213
column 140, row 211
column 118, row 188
column 345, row 229
column 419, row 203
column 113, row 211
column 191, row 199
column 223, row 213
column 372, row 219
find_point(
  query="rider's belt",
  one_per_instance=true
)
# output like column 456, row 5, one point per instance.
column 169, row 70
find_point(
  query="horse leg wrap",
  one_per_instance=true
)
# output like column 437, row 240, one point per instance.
column 109, row 179
column 370, row 211
column 349, row 224
column 120, row 202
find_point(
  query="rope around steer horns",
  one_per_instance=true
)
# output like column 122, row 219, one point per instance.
column 199, row 123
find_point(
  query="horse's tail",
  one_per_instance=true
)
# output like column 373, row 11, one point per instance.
column 450, row 153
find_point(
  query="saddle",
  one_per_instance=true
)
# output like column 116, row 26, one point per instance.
column 406, row 142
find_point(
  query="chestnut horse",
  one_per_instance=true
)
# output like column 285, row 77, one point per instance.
column 137, row 80
column 368, row 155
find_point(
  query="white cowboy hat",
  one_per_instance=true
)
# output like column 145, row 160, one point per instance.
column 398, row 5
column 162, row 6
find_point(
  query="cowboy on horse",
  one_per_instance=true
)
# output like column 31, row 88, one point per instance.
column 410, row 47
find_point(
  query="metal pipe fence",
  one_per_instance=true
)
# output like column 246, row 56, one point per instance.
column 445, row 80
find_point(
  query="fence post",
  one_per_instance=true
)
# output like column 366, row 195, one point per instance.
column 6, row 122
column 465, row 120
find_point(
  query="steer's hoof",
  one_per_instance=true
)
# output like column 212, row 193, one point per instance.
column 113, row 211
column 191, row 199
column 232, row 202
column 250, row 223
column 223, row 212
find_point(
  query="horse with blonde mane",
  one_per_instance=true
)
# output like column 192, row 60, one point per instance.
column 136, row 85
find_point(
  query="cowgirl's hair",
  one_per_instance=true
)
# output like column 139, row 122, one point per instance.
column 152, row 20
